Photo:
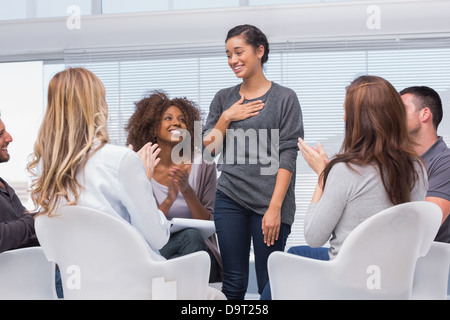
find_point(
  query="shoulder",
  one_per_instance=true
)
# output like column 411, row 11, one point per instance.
column 113, row 155
column 438, row 158
column 223, row 99
column 114, row 150
column 347, row 172
column 438, row 152
column 444, row 156
column 280, row 88
column 339, row 172
column 340, row 167
column 287, row 96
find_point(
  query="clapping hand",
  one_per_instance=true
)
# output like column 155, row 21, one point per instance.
column 149, row 156
column 317, row 159
column 179, row 175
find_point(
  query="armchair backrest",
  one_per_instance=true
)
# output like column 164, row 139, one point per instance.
column 376, row 261
column 103, row 257
column 26, row 274
column 378, row 257
column 431, row 277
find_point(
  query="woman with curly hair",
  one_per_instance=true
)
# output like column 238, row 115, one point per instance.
column 183, row 184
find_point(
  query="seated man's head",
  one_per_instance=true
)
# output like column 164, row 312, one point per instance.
column 5, row 140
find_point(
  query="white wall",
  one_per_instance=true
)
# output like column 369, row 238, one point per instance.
column 21, row 107
column 48, row 38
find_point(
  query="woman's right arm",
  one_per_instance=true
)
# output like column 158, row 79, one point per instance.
column 213, row 141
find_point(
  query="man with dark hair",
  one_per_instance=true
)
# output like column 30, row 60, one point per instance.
column 16, row 224
column 424, row 113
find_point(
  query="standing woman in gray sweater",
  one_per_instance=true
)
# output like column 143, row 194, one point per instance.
column 255, row 126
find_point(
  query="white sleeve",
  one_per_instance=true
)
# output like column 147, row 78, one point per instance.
column 137, row 196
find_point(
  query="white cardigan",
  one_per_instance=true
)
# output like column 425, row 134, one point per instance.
column 114, row 181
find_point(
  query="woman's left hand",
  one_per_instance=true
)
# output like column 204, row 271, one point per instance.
column 271, row 225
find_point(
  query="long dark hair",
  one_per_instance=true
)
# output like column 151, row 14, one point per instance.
column 376, row 133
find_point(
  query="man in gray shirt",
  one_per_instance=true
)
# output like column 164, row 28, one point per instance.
column 424, row 112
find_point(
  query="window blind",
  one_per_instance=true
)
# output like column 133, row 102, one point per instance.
column 318, row 71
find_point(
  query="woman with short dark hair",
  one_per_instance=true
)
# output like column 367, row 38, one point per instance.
column 255, row 125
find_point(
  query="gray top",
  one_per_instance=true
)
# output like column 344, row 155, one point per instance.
column 255, row 148
column 437, row 159
column 349, row 198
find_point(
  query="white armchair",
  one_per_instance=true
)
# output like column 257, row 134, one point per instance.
column 103, row 257
column 26, row 274
column 432, row 273
column 376, row 261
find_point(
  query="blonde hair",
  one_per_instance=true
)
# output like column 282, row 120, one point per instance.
column 74, row 127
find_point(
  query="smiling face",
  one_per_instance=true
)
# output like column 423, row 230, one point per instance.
column 173, row 122
column 5, row 140
column 243, row 59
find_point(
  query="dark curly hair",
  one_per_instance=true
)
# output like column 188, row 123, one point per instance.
column 144, row 124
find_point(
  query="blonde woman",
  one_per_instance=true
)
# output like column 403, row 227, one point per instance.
column 73, row 163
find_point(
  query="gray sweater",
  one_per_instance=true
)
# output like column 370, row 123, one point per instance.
column 349, row 198
column 256, row 147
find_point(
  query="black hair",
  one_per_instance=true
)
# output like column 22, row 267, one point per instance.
column 253, row 36
column 427, row 97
